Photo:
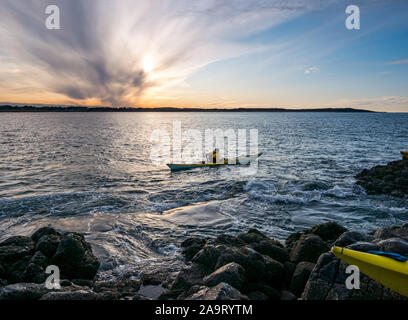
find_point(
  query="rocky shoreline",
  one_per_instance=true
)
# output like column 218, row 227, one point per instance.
column 250, row 266
column 388, row 179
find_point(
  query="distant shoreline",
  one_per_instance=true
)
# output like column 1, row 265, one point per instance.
column 10, row 108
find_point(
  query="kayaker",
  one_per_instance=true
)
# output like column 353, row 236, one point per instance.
column 214, row 155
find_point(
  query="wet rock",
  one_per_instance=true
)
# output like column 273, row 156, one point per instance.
column 192, row 246
column 83, row 282
column 231, row 273
column 308, row 248
column 70, row 295
column 271, row 293
column 385, row 233
column 363, row 246
column 229, row 240
column 48, row 245
column 292, row 239
column 15, row 248
column 155, row 278
column 75, row 259
column 257, row 267
column 22, row 291
column 35, row 270
column 300, row 277
column 289, row 269
column 389, row 179
column 46, row 231
column 349, row 238
column 328, row 231
column 394, row 245
column 254, row 236
column 65, row 283
column 270, row 249
column 257, row 295
column 208, row 256
column 287, row 296
column 188, row 277
column 222, row 291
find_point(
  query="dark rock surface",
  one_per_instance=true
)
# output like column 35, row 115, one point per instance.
column 389, row 179
column 247, row 266
column 25, row 259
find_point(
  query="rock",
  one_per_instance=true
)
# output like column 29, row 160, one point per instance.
column 308, row 248
column 394, row 245
column 254, row 236
column 83, row 282
column 257, row 267
column 2, row 271
column 289, row 269
column 257, row 295
column 15, row 248
column 44, row 232
column 229, row 240
column 269, row 248
column 363, row 246
column 390, row 179
column 328, row 231
column 75, row 259
column 35, row 270
column 292, row 239
column 65, row 283
column 188, row 277
column 349, row 237
column 231, row 273
column 271, row 293
column 48, row 245
column 192, row 246
column 385, row 233
column 154, row 279
column 22, row 291
column 287, row 296
column 222, row 291
column 327, row 282
column 208, row 256
column 300, row 277
column 70, row 295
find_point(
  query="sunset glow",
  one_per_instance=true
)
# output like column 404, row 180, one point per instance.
column 222, row 54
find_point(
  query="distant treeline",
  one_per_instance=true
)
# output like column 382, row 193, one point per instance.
column 9, row 108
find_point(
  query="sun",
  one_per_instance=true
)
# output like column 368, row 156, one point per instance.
column 148, row 65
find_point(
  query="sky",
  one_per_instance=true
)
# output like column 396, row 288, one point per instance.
column 206, row 53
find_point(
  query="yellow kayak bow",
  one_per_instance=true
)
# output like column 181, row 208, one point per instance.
column 387, row 271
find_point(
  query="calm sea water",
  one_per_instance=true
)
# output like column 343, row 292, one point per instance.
column 92, row 173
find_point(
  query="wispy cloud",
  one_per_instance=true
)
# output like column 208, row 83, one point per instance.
column 100, row 53
column 399, row 62
column 311, row 70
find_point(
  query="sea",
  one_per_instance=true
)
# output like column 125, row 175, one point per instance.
column 94, row 173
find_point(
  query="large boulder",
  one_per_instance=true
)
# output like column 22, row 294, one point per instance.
column 191, row 246
column 300, row 277
column 22, row 291
column 394, row 245
column 308, row 248
column 328, row 278
column 350, row 237
column 75, row 258
column 328, row 231
column 231, row 273
column 222, row 291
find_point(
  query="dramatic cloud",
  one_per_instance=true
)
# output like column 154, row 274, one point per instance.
column 111, row 52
